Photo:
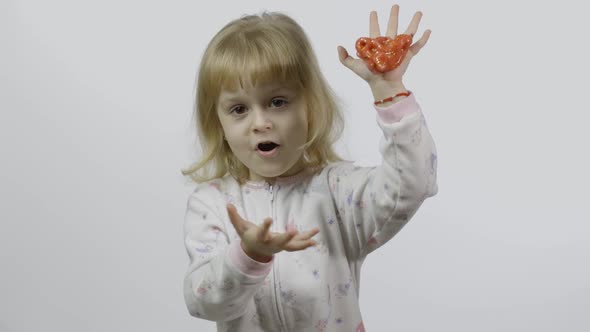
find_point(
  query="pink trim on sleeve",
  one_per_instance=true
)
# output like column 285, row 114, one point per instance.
column 396, row 111
column 246, row 264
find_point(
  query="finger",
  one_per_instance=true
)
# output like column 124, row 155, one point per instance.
column 263, row 235
column 299, row 245
column 344, row 57
column 420, row 43
column 358, row 66
column 392, row 23
column 235, row 218
column 374, row 25
column 308, row 235
column 284, row 238
column 342, row 54
column 413, row 26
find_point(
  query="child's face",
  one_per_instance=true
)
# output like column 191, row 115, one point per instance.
column 265, row 112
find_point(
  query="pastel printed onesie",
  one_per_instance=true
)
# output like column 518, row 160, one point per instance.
column 357, row 209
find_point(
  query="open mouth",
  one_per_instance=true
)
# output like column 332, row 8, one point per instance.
column 267, row 146
column 268, row 149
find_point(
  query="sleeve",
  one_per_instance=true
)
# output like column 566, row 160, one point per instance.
column 374, row 203
column 221, row 279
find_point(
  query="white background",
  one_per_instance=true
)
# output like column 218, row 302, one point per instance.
column 95, row 123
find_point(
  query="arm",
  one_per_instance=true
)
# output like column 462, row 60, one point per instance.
column 374, row 203
column 221, row 279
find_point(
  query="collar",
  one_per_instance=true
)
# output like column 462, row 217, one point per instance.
column 280, row 179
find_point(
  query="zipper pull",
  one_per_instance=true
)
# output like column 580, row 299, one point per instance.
column 271, row 195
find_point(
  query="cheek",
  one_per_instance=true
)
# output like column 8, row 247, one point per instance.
column 231, row 131
column 298, row 130
column 296, row 119
column 301, row 123
column 236, row 140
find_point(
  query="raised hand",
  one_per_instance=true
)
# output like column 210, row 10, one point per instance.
column 260, row 244
column 359, row 66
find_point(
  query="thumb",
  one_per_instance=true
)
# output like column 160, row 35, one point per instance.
column 235, row 218
column 343, row 55
column 357, row 66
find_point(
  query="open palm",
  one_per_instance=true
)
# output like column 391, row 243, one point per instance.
column 259, row 241
column 359, row 66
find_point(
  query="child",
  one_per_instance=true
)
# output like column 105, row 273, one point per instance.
column 267, row 121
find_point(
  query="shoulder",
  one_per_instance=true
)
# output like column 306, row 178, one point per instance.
column 210, row 197
column 346, row 176
column 332, row 173
column 215, row 192
column 344, row 168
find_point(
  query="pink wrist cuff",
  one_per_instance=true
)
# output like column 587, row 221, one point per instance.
column 246, row 264
column 396, row 111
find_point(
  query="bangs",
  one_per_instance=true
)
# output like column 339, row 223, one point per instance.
column 257, row 58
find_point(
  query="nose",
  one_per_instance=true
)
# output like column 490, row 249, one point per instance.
column 261, row 120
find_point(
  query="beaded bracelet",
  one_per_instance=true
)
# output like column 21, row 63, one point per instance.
column 391, row 98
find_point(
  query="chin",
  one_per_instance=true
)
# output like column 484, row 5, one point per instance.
column 271, row 174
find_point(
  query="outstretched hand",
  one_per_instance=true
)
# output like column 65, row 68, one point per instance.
column 359, row 67
column 260, row 244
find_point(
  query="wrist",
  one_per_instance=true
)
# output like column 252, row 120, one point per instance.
column 382, row 90
column 257, row 257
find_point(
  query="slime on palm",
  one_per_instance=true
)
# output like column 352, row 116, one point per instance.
column 383, row 53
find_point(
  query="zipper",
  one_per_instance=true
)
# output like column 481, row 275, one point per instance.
column 274, row 270
column 272, row 198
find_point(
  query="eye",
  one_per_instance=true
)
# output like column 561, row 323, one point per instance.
column 237, row 110
column 277, row 102
column 281, row 101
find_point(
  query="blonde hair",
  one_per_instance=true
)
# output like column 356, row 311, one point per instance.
column 261, row 48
